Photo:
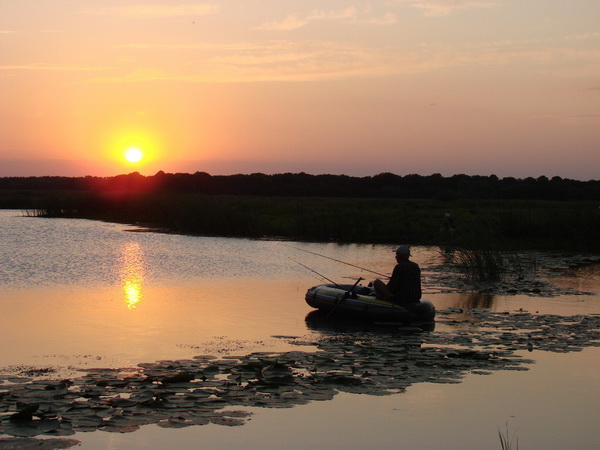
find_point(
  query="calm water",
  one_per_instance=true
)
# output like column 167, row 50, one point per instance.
column 77, row 294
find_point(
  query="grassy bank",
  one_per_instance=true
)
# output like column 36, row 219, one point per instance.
column 498, row 225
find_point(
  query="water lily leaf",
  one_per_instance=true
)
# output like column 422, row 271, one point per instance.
column 22, row 430
column 227, row 421
column 181, row 377
column 25, row 414
column 40, row 444
column 120, row 429
column 47, row 425
column 122, row 402
column 240, row 414
column 344, row 380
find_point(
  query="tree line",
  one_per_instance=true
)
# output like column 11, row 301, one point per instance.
column 384, row 185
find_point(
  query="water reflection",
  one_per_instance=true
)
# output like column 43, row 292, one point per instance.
column 132, row 274
column 318, row 321
column 478, row 300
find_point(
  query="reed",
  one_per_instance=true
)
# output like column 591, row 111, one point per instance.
column 479, row 265
column 481, row 225
column 506, row 440
column 492, row 265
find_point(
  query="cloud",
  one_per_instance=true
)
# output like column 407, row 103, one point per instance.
column 584, row 37
column 347, row 15
column 295, row 61
column 53, row 67
column 387, row 19
column 573, row 119
column 155, row 11
column 273, row 61
column 233, row 46
column 445, row 7
column 286, row 60
column 291, row 22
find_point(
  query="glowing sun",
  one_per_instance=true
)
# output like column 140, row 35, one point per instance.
column 133, row 155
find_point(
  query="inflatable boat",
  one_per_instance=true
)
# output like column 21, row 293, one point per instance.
column 356, row 301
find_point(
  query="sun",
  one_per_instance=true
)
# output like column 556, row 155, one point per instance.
column 133, row 155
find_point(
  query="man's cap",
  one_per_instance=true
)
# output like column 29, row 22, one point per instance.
column 403, row 250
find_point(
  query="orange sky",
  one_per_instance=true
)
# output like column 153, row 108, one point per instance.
column 483, row 87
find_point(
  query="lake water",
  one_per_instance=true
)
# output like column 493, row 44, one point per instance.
column 77, row 295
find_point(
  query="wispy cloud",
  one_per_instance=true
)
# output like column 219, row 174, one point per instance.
column 291, row 22
column 347, row 15
column 307, row 61
column 297, row 60
column 194, row 46
column 386, row 19
column 53, row 67
column 155, row 11
column 445, row 7
column 584, row 37
column 575, row 119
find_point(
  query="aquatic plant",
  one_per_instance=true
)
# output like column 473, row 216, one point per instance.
column 480, row 224
column 505, row 441
column 479, row 265
column 492, row 265
column 205, row 389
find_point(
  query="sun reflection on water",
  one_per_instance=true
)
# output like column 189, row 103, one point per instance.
column 132, row 274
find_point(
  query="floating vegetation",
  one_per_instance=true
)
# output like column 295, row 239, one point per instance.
column 222, row 344
column 38, row 444
column 208, row 389
column 505, row 273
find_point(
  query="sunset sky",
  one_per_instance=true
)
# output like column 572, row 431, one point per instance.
column 478, row 87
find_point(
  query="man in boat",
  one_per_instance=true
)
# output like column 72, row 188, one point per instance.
column 405, row 284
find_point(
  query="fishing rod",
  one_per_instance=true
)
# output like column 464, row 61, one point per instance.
column 314, row 271
column 337, row 260
column 346, row 294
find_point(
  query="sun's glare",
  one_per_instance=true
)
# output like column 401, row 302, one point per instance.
column 133, row 155
column 132, row 274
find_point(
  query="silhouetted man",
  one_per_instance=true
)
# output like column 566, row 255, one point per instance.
column 405, row 284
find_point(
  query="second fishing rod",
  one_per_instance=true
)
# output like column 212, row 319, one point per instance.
column 340, row 261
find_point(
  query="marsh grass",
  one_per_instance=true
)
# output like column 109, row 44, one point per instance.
column 505, row 225
column 506, row 440
column 479, row 265
column 493, row 265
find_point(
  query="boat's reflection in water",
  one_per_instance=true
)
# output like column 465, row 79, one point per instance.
column 321, row 322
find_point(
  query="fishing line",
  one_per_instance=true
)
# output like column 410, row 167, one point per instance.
column 337, row 260
column 314, row 271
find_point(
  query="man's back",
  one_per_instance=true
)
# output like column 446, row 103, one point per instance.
column 405, row 283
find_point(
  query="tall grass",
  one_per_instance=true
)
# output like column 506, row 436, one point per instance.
column 479, row 265
column 506, row 440
column 492, row 265
column 504, row 225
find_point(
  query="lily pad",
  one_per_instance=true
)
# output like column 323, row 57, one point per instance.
column 38, row 444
